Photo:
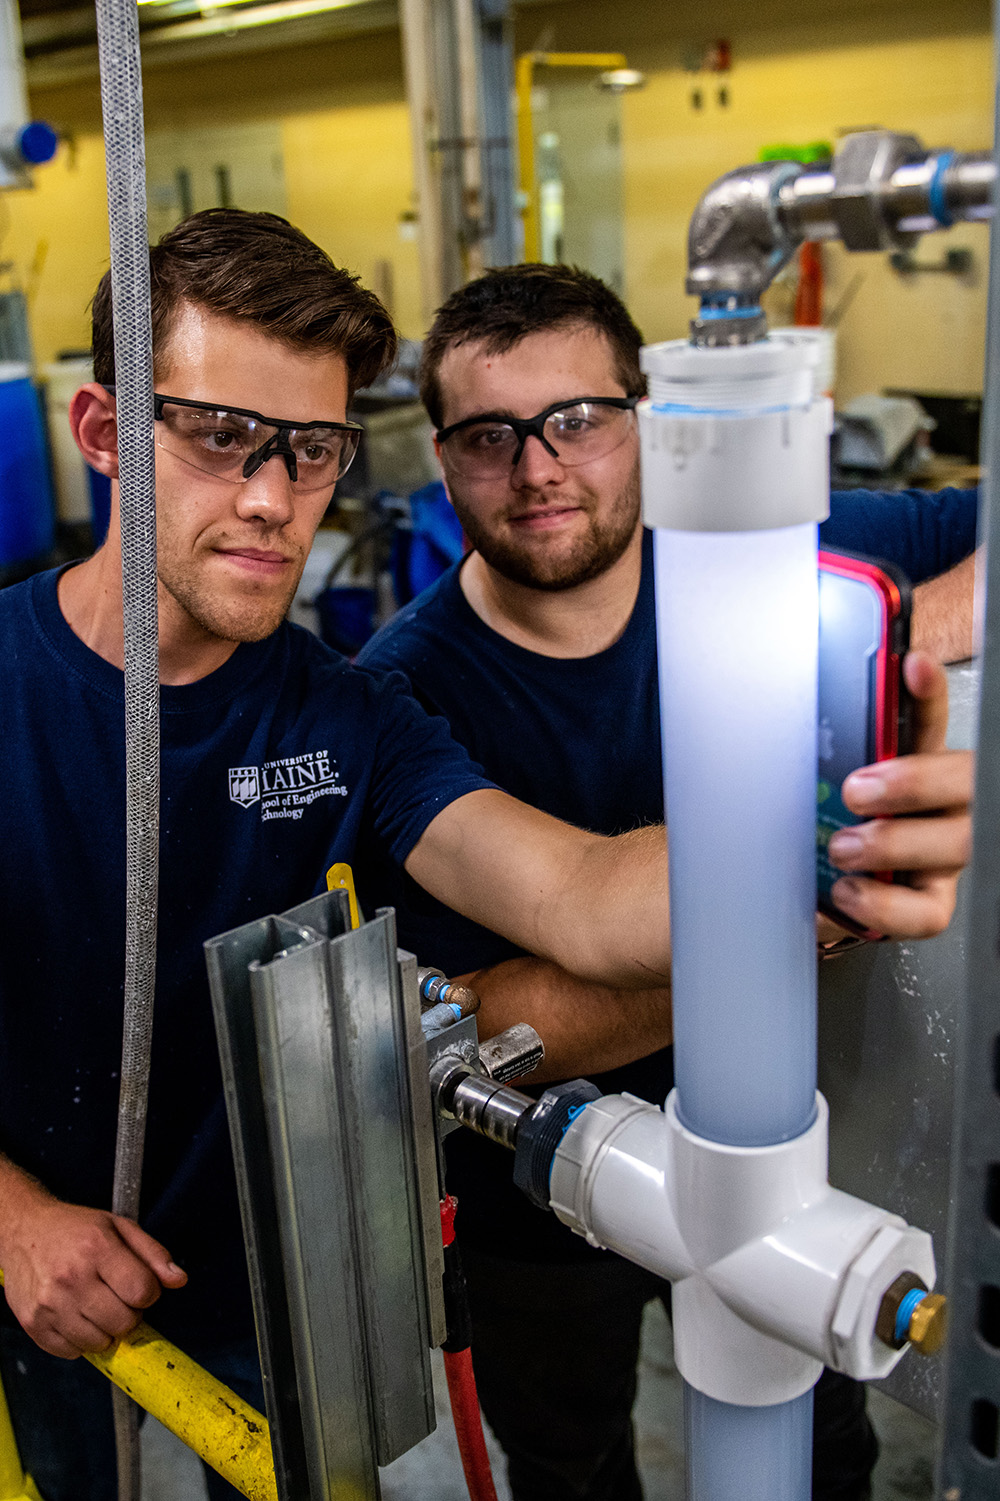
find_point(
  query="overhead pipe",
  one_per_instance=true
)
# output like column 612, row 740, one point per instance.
column 882, row 191
column 24, row 143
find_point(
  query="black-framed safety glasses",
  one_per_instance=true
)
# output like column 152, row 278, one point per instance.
column 232, row 443
column 575, row 431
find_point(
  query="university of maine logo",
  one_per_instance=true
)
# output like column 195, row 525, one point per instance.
column 244, row 785
column 287, row 786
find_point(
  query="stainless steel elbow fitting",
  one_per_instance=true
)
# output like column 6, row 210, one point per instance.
column 881, row 191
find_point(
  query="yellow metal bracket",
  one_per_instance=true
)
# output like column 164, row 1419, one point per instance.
column 524, row 79
column 341, row 877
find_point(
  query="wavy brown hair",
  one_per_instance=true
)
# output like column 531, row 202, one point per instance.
column 259, row 269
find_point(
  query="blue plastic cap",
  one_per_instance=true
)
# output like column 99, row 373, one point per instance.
column 38, row 143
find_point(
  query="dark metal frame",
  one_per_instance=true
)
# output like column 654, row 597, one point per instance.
column 970, row 1461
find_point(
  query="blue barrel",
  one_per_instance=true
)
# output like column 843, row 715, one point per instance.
column 27, row 513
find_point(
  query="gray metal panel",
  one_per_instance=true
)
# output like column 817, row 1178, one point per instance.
column 228, row 958
column 373, row 1072
column 314, row 1187
column 325, row 1069
column 886, row 1040
column 970, row 1462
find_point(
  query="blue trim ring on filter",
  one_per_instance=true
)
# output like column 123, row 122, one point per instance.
column 935, row 193
column 709, row 310
column 905, row 1312
column 679, row 409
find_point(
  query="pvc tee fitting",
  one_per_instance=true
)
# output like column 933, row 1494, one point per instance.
column 775, row 1273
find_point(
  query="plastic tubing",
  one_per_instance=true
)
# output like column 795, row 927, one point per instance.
column 755, row 1453
column 737, row 633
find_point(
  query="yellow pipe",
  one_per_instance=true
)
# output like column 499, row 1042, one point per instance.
column 15, row 1485
column 524, row 76
column 222, row 1429
column 524, row 80
column 602, row 60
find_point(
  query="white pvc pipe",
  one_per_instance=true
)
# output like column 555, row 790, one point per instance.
column 736, row 636
column 734, row 480
column 750, row 1453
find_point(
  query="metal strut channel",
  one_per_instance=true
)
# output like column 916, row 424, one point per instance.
column 121, row 99
column 325, row 1070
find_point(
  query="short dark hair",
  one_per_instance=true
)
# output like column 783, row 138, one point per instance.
column 508, row 303
column 259, row 269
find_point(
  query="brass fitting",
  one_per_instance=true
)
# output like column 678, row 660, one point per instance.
column 926, row 1318
column 929, row 1324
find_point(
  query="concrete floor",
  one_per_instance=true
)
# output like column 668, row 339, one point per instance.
column 432, row 1472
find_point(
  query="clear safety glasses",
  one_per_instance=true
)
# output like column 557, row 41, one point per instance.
column 574, row 432
column 231, row 444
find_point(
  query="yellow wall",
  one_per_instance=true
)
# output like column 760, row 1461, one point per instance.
column 349, row 179
column 345, row 138
column 924, row 66
column 799, row 74
column 57, row 238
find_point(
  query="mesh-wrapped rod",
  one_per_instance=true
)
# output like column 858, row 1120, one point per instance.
column 121, row 99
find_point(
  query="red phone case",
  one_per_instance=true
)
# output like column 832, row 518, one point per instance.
column 892, row 709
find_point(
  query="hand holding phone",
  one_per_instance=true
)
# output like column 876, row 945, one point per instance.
column 864, row 708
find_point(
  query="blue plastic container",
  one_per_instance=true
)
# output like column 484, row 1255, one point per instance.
column 27, row 513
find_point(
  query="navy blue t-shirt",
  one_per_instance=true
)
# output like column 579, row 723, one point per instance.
column 924, row 532
column 283, row 761
column 580, row 738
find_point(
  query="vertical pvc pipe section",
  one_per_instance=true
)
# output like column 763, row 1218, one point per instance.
column 736, row 624
column 753, row 1453
column 734, row 480
column 121, row 99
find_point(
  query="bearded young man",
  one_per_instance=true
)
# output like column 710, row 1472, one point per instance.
column 539, row 650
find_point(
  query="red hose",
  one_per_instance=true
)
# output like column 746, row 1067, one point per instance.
column 469, row 1425
column 458, row 1365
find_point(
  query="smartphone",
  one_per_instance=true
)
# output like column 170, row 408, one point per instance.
column 865, row 712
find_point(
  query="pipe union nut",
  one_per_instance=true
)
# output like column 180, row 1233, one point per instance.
column 541, row 1131
column 862, row 170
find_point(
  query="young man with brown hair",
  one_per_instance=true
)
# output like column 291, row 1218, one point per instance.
column 259, row 342
column 539, row 650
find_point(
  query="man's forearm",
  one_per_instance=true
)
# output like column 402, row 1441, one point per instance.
column 941, row 623
column 586, row 1028
column 19, row 1192
column 596, row 906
